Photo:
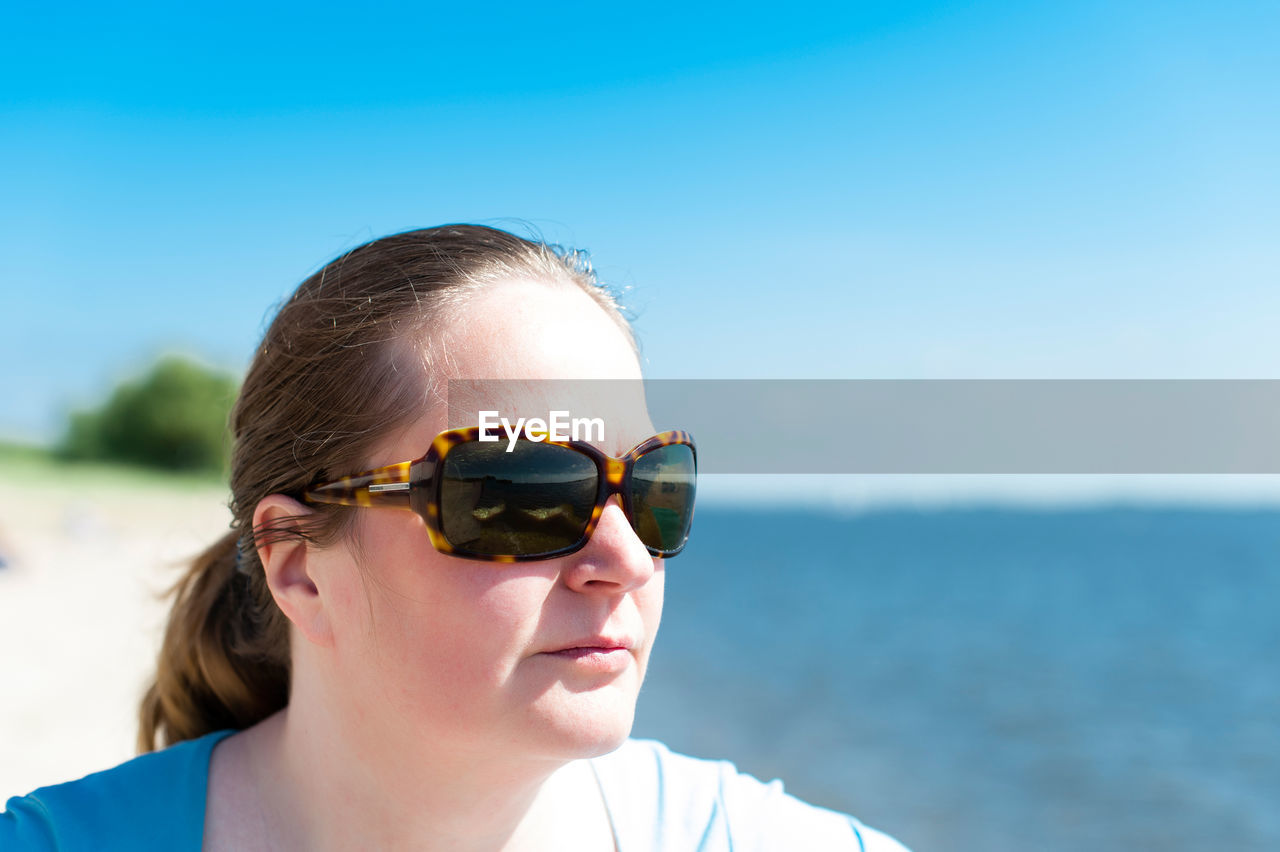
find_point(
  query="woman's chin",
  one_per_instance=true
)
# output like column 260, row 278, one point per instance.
column 582, row 725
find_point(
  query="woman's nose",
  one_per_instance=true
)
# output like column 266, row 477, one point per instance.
column 614, row 561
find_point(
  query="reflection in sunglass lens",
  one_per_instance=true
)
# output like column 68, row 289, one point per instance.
column 662, row 492
column 536, row 499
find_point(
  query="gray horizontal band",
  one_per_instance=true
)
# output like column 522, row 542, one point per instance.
column 943, row 426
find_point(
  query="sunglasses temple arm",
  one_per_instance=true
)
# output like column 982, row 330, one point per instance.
column 386, row 486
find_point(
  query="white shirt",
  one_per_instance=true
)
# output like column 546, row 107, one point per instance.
column 659, row 800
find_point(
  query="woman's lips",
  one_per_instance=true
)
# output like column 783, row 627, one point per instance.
column 576, row 653
column 604, row 659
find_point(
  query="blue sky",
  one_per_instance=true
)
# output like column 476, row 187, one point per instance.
column 902, row 190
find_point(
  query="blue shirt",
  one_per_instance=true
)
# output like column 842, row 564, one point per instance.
column 153, row 802
column 656, row 800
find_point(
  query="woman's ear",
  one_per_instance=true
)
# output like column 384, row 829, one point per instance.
column 291, row 567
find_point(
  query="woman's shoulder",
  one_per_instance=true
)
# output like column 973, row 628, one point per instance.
column 154, row 801
column 664, row 800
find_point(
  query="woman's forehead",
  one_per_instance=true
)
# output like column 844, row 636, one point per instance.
column 532, row 330
column 530, row 355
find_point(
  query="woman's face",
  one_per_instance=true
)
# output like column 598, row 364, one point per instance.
column 490, row 656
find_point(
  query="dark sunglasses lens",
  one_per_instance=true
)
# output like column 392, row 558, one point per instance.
column 662, row 490
column 536, row 499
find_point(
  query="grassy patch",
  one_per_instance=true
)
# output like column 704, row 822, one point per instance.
column 40, row 467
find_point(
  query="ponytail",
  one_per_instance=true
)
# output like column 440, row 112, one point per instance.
column 224, row 662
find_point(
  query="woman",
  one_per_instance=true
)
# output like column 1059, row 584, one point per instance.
column 437, row 655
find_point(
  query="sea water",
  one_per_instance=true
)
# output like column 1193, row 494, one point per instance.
column 987, row 679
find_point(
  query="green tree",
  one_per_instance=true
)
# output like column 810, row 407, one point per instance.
column 175, row 418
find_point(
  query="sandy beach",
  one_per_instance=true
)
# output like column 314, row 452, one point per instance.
column 80, row 609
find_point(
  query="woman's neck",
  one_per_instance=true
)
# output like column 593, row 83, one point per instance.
column 303, row 782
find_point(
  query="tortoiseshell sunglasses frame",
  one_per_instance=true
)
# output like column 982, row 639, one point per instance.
column 412, row 485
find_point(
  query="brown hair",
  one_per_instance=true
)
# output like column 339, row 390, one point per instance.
column 321, row 392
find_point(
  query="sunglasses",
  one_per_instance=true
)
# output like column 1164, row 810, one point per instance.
column 541, row 500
